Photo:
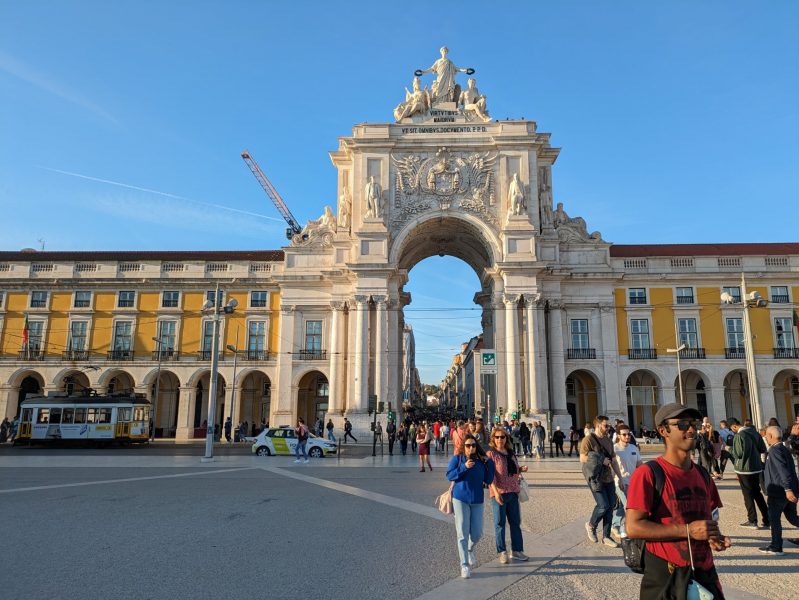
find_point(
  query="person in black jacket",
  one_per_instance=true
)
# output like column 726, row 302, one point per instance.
column 782, row 487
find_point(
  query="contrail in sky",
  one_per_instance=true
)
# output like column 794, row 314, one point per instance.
column 167, row 194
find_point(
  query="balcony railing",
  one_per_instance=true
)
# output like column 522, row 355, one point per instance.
column 311, row 355
column 206, row 355
column 779, row 299
column 786, row 352
column 692, row 353
column 580, row 353
column 738, row 352
column 642, row 353
column 75, row 355
column 685, row 299
column 31, row 354
column 120, row 355
column 256, row 355
column 637, row 299
column 166, row 355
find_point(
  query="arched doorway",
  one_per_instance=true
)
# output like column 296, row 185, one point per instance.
column 642, row 399
column 582, row 397
column 32, row 383
column 119, row 381
column 737, row 401
column 255, row 399
column 201, row 400
column 786, row 396
column 312, row 397
column 695, row 390
column 73, row 382
column 166, row 406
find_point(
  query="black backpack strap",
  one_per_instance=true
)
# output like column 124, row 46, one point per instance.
column 660, row 482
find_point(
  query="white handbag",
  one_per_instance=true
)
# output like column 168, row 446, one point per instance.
column 524, row 490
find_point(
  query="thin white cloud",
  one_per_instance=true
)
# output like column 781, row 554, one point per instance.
column 17, row 68
column 166, row 194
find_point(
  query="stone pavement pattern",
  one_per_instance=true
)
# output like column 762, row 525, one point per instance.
column 351, row 528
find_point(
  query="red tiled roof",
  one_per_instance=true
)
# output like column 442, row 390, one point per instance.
column 134, row 255
column 636, row 250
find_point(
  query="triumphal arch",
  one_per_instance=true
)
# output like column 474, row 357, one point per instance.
column 443, row 178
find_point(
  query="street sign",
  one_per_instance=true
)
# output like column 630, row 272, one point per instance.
column 488, row 362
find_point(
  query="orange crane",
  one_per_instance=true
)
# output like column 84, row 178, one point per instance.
column 294, row 227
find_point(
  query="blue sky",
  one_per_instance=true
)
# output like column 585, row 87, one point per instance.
column 678, row 120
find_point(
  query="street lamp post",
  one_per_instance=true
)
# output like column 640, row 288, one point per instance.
column 218, row 311
column 235, row 351
column 159, row 341
column 677, row 351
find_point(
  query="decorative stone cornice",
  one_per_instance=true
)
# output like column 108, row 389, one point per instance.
column 338, row 305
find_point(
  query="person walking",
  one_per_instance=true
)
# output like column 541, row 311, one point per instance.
column 329, row 428
column 458, row 436
column 782, row 489
column 709, row 445
column 402, row 436
column 469, row 472
column 412, row 436
column 348, row 431
column 14, row 429
column 747, row 447
column 423, row 441
column 535, row 440
column 228, row 429
column 391, row 433
column 515, row 437
column 628, row 459
column 437, row 434
column 678, row 515
column 558, row 438
column 524, row 436
column 5, row 428
column 599, row 465
column 504, row 492
column 726, row 436
column 574, row 439
column 301, row 432
column 445, row 437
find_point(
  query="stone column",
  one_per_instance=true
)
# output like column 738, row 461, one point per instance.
column 381, row 348
column 557, row 356
column 768, row 404
column 334, row 384
column 394, row 356
column 615, row 397
column 229, row 401
column 284, row 401
column 361, row 391
column 532, row 351
column 512, row 351
column 185, row 424
column 499, row 397
column 718, row 406
column 9, row 396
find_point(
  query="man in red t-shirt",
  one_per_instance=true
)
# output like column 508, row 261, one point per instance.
column 687, row 507
column 437, row 433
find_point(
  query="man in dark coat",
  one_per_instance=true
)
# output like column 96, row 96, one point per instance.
column 782, row 487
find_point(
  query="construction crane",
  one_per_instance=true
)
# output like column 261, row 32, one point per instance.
column 294, row 227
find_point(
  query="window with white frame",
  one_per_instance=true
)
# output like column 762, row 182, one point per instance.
column 167, row 331
column 734, row 291
column 256, row 337
column 35, row 336
column 735, row 333
column 259, row 299
column 783, row 326
column 2, row 297
column 688, row 335
column 637, row 295
column 170, row 299
column 83, row 299
column 211, row 296
column 208, row 336
column 685, row 295
column 779, row 294
column 639, row 330
column 123, row 336
column 313, row 336
column 78, row 331
column 38, row 299
column 126, row 299
column 579, row 331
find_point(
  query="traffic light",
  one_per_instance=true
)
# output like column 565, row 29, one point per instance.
column 381, row 406
column 514, row 414
column 390, row 412
column 496, row 418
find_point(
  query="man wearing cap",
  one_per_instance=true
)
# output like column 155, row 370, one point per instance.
column 747, row 447
column 684, row 513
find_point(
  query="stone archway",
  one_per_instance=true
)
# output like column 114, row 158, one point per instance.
column 165, row 406
column 72, row 381
column 694, row 384
column 643, row 398
column 312, row 397
column 737, row 400
column 254, row 402
column 201, row 383
column 116, row 380
column 786, row 396
column 22, row 384
column 582, row 397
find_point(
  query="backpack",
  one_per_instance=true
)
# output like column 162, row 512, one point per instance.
column 633, row 549
column 730, row 437
column 302, row 433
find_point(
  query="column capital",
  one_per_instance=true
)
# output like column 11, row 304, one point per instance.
column 338, row 305
column 287, row 309
column 532, row 300
column 361, row 300
column 512, row 299
column 607, row 308
column 556, row 304
column 380, row 301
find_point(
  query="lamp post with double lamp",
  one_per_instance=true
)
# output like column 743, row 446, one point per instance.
column 678, row 350
column 749, row 300
column 158, row 341
column 218, row 311
column 235, row 351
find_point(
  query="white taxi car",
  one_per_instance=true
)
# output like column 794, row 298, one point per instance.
column 282, row 440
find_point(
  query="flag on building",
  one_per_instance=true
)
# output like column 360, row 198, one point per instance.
column 796, row 320
column 25, row 333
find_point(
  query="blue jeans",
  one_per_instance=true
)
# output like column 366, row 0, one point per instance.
column 621, row 507
column 603, row 511
column 300, row 447
column 468, row 526
column 510, row 510
column 330, row 435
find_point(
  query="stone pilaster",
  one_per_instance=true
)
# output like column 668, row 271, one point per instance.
column 614, row 395
column 557, row 358
column 532, row 351
column 334, row 399
column 185, row 425
column 381, row 349
column 361, row 391
column 284, row 400
column 512, row 352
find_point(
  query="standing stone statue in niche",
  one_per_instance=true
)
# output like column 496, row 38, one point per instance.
column 374, row 194
column 444, row 87
column 473, row 102
column 516, row 204
column 416, row 102
column 344, row 209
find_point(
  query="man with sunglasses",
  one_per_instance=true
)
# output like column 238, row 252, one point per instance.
column 684, row 513
column 600, row 448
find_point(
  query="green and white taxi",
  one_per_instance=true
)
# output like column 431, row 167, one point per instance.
column 283, row 440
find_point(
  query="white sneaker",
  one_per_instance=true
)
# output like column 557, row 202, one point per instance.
column 503, row 558
column 297, row 461
column 465, row 572
column 306, row 460
column 610, row 543
column 590, row 532
column 472, row 559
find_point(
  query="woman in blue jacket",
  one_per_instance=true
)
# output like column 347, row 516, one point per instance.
column 469, row 472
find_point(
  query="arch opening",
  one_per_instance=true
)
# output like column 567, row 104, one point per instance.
column 643, row 398
column 312, row 397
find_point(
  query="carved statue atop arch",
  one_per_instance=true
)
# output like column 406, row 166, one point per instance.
column 572, row 229
column 516, row 203
column 374, row 196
